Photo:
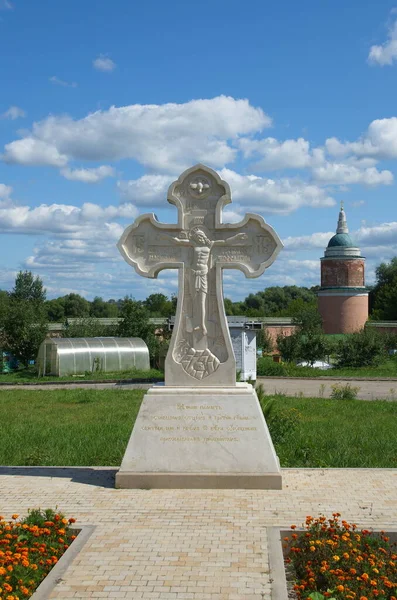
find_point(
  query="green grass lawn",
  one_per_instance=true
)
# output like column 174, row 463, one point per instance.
column 92, row 428
column 318, row 432
column 66, row 427
column 30, row 376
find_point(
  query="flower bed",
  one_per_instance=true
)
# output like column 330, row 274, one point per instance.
column 333, row 559
column 29, row 548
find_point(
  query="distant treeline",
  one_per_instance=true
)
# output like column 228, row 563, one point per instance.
column 272, row 302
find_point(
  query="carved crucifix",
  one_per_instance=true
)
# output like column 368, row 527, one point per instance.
column 200, row 246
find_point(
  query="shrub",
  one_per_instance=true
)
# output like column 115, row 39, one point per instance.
column 313, row 347
column 344, row 392
column 335, row 559
column 29, row 550
column 266, row 367
column 365, row 348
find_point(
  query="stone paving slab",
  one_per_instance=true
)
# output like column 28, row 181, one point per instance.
column 189, row 544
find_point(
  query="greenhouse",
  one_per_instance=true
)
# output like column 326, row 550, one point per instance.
column 73, row 356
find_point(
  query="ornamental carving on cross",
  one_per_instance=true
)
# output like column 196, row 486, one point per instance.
column 200, row 246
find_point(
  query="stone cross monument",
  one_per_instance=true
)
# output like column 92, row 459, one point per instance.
column 200, row 246
column 201, row 429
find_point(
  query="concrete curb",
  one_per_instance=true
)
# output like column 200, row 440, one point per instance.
column 55, row 575
column 276, row 564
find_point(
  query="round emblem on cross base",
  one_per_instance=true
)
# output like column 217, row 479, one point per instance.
column 199, row 186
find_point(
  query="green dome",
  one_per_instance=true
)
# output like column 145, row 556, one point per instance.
column 341, row 239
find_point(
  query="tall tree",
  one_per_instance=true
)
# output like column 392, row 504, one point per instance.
column 158, row 305
column 27, row 287
column 135, row 323
column 101, row 309
column 76, row 306
column 384, row 294
column 25, row 326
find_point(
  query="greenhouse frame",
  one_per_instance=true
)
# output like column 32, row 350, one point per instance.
column 74, row 356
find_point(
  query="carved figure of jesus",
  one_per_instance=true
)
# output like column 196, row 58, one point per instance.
column 198, row 271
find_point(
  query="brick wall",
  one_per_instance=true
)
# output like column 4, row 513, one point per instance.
column 343, row 314
column 342, row 273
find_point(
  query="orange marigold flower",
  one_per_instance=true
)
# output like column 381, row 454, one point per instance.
column 14, row 516
column 336, row 557
column 312, row 548
column 293, row 526
column 340, row 588
column 7, row 587
column 71, row 520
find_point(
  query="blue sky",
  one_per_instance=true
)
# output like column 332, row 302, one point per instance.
column 103, row 104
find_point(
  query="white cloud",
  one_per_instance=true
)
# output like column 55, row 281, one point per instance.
column 281, row 196
column 57, row 81
column 5, row 192
column 88, row 175
column 6, row 5
column 290, row 154
column 60, row 218
column 339, row 173
column 33, row 152
column 14, row 112
column 386, row 53
column 104, row 63
column 148, row 190
column 384, row 234
column 168, row 137
column 379, row 141
column 306, row 242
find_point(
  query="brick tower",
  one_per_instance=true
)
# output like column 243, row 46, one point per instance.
column 343, row 297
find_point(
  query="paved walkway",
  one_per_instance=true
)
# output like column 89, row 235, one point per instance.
column 368, row 389
column 189, row 544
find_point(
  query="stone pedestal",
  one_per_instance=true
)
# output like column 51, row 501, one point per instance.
column 200, row 438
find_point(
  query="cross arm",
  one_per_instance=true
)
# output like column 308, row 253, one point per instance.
column 149, row 246
column 252, row 250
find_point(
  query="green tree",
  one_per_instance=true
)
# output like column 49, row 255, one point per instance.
column 55, row 310
column 75, row 306
column 25, row 325
column 313, row 347
column 306, row 317
column 27, row 287
column 159, row 305
column 384, row 295
column 264, row 341
column 103, row 310
column 289, row 346
column 88, row 327
column 4, row 301
column 135, row 323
